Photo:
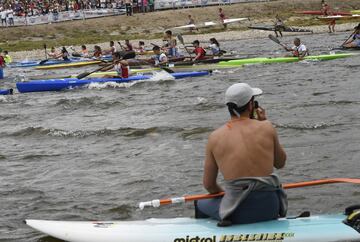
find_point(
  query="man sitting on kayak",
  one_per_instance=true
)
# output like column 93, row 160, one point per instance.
column 298, row 50
column 159, row 58
column 244, row 150
column 199, row 51
column 354, row 42
column 121, row 66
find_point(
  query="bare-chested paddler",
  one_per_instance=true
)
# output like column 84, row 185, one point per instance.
column 245, row 150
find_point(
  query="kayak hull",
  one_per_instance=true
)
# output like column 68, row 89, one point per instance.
column 286, row 29
column 319, row 12
column 6, row 91
column 69, row 83
column 67, row 65
column 323, row 228
column 284, row 59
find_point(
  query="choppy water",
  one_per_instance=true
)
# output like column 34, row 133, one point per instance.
column 93, row 154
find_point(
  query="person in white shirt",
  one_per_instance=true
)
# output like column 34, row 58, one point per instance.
column 10, row 16
column 3, row 17
column 159, row 58
column 298, row 50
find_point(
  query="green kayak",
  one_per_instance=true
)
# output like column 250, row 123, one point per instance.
column 268, row 60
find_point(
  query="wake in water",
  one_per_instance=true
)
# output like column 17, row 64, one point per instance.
column 156, row 77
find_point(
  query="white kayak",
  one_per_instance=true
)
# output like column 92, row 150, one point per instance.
column 211, row 23
column 324, row 228
column 340, row 17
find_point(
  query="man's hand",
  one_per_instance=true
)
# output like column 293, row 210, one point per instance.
column 260, row 112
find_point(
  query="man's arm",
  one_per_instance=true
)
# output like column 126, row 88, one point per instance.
column 279, row 153
column 210, row 171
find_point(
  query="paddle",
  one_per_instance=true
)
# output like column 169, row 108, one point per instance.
column 127, row 55
column 181, row 39
column 157, row 203
column 46, row 58
column 122, row 47
column 349, row 36
column 273, row 38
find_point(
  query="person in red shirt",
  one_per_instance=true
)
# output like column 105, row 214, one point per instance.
column 199, row 51
column 222, row 17
column 2, row 60
column 121, row 66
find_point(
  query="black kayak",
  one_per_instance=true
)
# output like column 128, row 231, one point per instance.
column 284, row 29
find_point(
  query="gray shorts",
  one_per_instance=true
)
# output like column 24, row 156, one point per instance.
column 257, row 207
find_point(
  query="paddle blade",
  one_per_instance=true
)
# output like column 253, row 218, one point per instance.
column 82, row 75
column 128, row 54
column 168, row 70
column 43, row 62
column 180, row 38
column 273, row 38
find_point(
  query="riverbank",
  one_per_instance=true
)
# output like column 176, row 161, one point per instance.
column 150, row 26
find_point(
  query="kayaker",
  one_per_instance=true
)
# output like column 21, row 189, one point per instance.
column 2, row 60
column 170, row 44
column 53, row 53
column 112, row 48
column 298, row 50
column 64, row 54
column 215, row 47
column 7, row 57
column 159, row 58
column 121, row 66
column 84, row 51
column 97, row 52
column 140, row 48
column 222, row 17
column 199, row 51
column 354, row 42
column 279, row 26
column 128, row 46
column 245, row 150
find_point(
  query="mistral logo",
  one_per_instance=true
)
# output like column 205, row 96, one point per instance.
column 196, row 239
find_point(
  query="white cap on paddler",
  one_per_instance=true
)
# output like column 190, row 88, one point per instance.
column 241, row 93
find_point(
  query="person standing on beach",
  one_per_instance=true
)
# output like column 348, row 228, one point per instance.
column 326, row 11
column 222, row 17
column 3, row 18
column 128, row 6
column 191, row 21
column 279, row 26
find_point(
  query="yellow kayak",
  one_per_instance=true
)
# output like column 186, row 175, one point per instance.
column 67, row 65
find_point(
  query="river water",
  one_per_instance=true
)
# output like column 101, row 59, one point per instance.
column 94, row 153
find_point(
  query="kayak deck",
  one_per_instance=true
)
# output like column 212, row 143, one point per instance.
column 315, row 228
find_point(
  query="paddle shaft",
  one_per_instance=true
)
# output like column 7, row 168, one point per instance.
column 157, row 203
column 45, row 51
column 348, row 38
column 181, row 39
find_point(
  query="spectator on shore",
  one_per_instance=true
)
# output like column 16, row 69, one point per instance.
column 222, row 17
column 128, row 6
column 3, row 17
column 7, row 57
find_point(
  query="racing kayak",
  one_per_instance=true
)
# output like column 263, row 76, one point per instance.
column 319, row 12
column 267, row 60
column 339, row 17
column 286, row 29
column 36, row 63
column 210, row 23
column 355, row 11
column 323, row 228
column 68, row 83
column 69, row 64
column 6, row 91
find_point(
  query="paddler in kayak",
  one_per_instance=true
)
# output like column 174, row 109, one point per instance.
column 53, row 53
column 64, row 54
column 112, row 49
column 128, row 46
column 170, row 44
column 278, row 26
column 7, row 57
column 200, row 53
column 215, row 47
column 97, row 52
column 245, row 150
column 354, row 42
column 84, row 51
column 121, row 66
column 159, row 58
column 140, row 48
column 298, row 50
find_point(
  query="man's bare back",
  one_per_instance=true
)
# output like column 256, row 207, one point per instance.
column 243, row 147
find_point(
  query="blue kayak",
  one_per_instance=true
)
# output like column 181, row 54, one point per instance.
column 6, row 91
column 68, row 83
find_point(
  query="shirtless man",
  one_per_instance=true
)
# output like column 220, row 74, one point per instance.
column 245, row 147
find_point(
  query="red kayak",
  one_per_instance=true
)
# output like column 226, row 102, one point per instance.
column 319, row 12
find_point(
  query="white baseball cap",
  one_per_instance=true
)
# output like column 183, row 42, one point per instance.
column 241, row 93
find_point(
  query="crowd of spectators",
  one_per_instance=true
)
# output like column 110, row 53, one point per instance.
column 11, row 8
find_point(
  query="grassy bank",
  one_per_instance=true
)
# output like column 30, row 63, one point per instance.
column 152, row 25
